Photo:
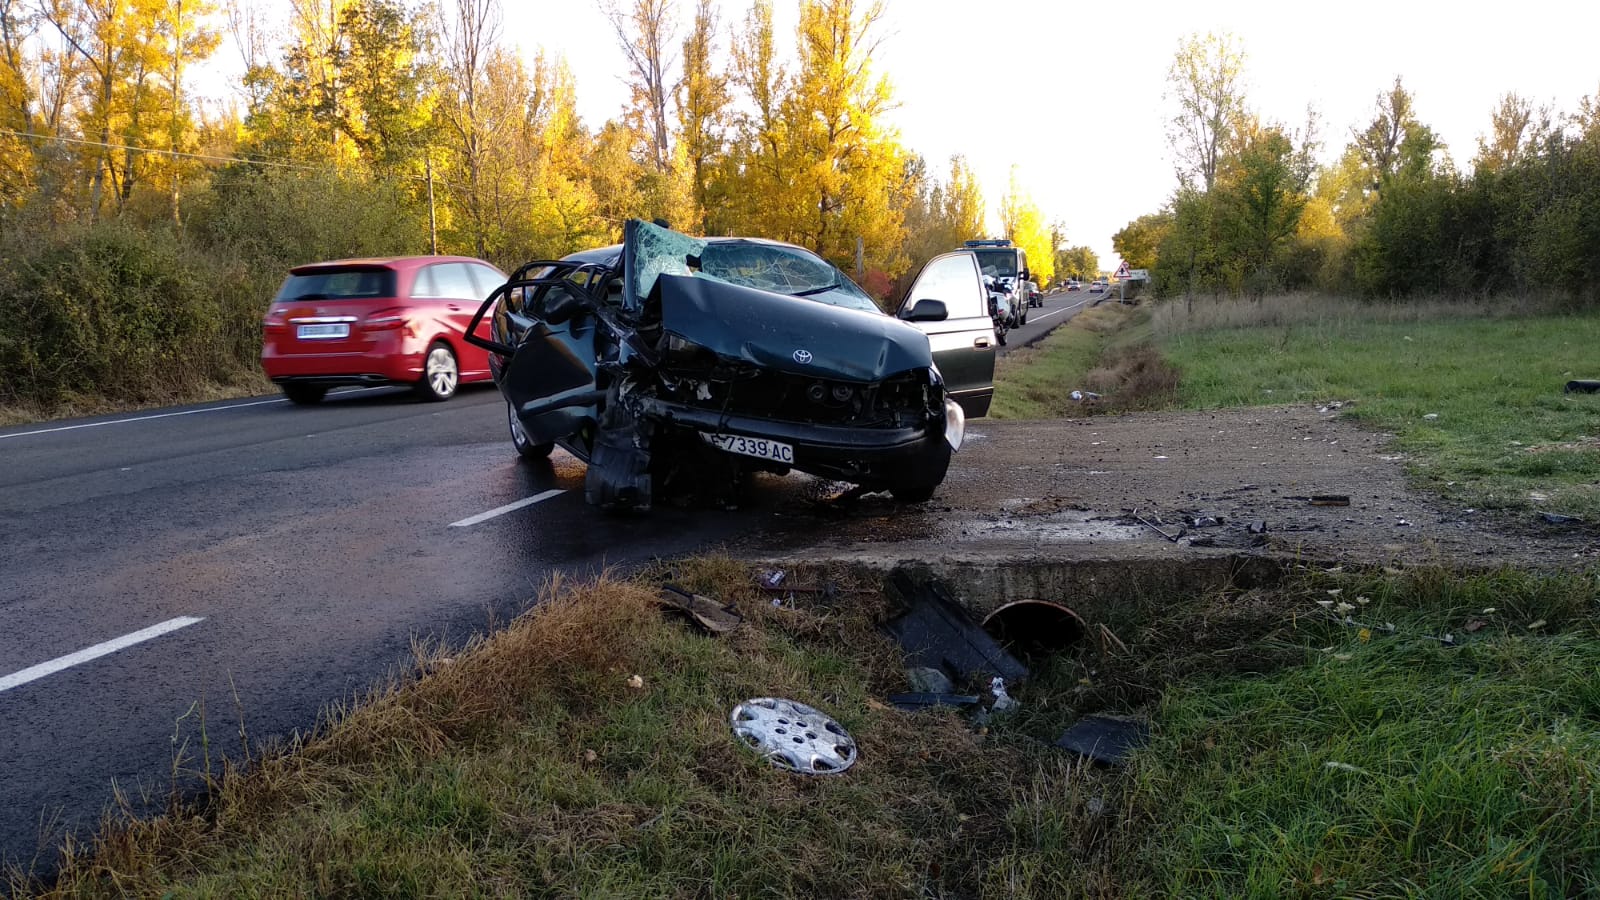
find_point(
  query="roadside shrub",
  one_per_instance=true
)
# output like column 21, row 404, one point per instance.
column 276, row 220
column 128, row 310
column 117, row 312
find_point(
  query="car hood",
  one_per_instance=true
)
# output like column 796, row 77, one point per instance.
column 789, row 334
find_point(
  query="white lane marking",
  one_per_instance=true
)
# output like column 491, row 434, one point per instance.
column 1061, row 310
column 509, row 507
column 34, row 673
column 186, row 412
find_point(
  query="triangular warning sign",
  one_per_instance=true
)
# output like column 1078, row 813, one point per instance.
column 1122, row 270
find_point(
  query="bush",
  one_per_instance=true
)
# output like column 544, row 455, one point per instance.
column 117, row 312
column 127, row 310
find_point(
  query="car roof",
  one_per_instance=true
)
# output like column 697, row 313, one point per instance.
column 606, row 255
column 386, row 262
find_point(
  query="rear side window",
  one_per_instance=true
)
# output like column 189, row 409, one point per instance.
column 486, row 279
column 337, row 283
column 452, row 281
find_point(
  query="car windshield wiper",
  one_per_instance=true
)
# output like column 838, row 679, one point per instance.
column 817, row 290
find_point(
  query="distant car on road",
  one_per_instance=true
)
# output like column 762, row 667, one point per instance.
column 1035, row 298
column 1073, row 285
column 398, row 320
column 1098, row 285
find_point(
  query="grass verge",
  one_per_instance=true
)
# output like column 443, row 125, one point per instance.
column 1037, row 381
column 1293, row 754
column 246, row 384
column 1475, row 400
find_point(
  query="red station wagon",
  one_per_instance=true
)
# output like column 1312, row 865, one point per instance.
column 376, row 322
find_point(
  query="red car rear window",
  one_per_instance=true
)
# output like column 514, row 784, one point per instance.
column 338, row 283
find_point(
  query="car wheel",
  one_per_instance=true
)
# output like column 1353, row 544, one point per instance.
column 526, row 448
column 304, row 394
column 440, row 374
column 927, row 473
column 1023, row 319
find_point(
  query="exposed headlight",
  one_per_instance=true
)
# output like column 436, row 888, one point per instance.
column 955, row 424
column 681, row 349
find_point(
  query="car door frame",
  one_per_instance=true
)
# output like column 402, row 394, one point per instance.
column 963, row 343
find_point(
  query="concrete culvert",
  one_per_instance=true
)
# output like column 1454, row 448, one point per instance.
column 1033, row 627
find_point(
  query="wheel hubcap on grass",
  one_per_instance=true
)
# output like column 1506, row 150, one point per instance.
column 793, row 736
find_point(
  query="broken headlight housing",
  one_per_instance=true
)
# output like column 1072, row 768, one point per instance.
column 682, row 351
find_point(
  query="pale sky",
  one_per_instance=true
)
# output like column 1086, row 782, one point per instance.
column 1072, row 93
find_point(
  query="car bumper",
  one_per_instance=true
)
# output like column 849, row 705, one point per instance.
column 332, row 369
column 848, row 452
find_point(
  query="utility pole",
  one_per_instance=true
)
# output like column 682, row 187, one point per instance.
column 860, row 248
column 433, row 222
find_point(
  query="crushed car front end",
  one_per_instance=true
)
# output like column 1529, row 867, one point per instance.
column 715, row 357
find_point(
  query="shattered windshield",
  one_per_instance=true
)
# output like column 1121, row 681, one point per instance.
column 769, row 267
column 782, row 270
column 660, row 251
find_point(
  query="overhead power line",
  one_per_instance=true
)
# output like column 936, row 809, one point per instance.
column 204, row 157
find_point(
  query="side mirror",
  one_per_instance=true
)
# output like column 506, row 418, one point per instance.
column 927, row 311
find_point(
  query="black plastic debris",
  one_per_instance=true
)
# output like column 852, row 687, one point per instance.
column 1559, row 519
column 927, row 700
column 937, row 633
column 1105, row 738
column 1582, row 386
column 703, row 611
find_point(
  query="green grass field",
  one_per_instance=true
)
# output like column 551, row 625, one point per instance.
column 1476, row 404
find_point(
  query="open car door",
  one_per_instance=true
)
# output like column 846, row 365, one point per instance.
column 948, row 303
column 542, row 349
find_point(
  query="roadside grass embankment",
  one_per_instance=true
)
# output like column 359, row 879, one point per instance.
column 1473, row 394
column 1293, row 753
column 1098, row 350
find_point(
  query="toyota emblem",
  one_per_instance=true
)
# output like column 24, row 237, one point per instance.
column 803, row 357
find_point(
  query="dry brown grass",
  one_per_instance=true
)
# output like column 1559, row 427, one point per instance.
column 526, row 764
column 251, row 384
column 1182, row 315
column 1134, row 378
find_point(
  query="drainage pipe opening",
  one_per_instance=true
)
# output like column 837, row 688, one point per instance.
column 1035, row 627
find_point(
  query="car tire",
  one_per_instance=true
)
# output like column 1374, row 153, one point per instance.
column 441, row 374
column 1000, row 336
column 304, row 394
column 927, row 473
column 1023, row 319
column 526, row 448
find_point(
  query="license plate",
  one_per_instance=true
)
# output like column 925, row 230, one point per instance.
column 323, row 332
column 760, row 448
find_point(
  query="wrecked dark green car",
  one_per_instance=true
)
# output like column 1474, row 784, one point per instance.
column 668, row 360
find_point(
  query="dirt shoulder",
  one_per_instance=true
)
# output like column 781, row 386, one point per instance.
column 1070, row 489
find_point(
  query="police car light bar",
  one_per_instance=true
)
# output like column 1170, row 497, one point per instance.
column 995, row 243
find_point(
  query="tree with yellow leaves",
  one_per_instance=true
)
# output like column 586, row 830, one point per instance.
column 1025, row 226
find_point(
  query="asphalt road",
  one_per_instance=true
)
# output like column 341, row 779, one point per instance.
column 186, row 573
column 1058, row 308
